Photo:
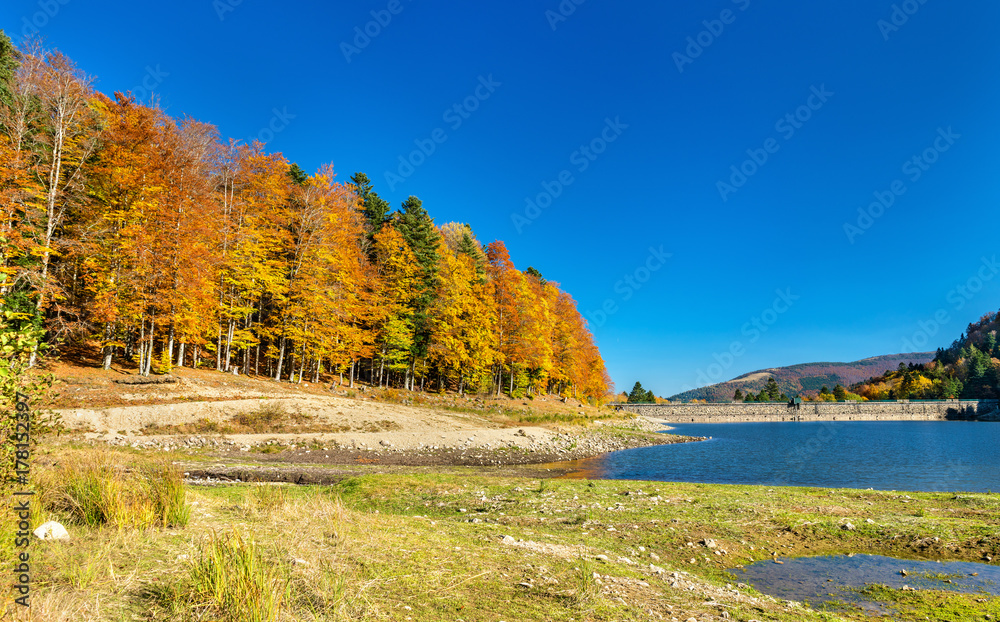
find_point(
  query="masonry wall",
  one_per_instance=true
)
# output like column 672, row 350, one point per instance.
column 816, row 411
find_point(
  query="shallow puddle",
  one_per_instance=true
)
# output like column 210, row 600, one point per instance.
column 832, row 579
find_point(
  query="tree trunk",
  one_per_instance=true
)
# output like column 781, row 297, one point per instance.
column 281, row 360
column 170, row 346
column 218, row 351
column 180, row 355
column 142, row 345
column 229, row 344
column 352, row 373
column 109, row 350
column 149, row 353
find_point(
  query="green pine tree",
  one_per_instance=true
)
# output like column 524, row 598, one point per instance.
column 772, row 392
column 376, row 209
column 637, row 395
column 297, row 175
column 9, row 62
column 536, row 274
column 990, row 345
column 839, row 393
column 470, row 247
column 738, row 396
column 417, row 228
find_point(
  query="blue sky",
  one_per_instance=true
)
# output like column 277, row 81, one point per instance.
column 671, row 192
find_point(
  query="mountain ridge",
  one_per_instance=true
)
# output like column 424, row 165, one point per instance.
column 805, row 378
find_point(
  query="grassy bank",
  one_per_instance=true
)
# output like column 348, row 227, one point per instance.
column 433, row 547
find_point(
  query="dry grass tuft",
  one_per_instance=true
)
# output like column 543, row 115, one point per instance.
column 122, row 490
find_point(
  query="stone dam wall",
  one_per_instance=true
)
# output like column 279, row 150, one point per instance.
column 736, row 412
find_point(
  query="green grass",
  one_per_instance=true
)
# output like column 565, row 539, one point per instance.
column 397, row 546
column 232, row 579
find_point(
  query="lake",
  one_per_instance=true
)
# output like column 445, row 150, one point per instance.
column 930, row 456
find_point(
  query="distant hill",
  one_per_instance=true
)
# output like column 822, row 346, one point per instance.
column 805, row 377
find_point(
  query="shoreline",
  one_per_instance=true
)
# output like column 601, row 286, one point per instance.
column 320, row 458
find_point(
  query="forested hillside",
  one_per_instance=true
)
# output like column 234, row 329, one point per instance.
column 160, row 244
column 806, row 379
column 969, row 368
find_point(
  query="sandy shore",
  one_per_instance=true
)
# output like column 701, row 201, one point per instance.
column 361, row 432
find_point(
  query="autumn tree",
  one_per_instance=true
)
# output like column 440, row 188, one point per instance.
column 462, row 321
column 61, row 137
column 398, row 276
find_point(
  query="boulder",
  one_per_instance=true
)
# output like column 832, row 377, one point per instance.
column 52, row 531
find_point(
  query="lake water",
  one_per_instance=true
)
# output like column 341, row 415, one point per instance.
column 932, row 456
column 837, row 578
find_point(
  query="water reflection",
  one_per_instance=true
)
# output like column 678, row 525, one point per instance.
column 832, row 579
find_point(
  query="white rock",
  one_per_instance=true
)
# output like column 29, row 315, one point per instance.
column 52, row 531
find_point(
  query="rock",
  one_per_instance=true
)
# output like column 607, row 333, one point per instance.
column 52, row 531
column 869, row 521
column 708, row 542
column 903, row 573
column 848, row 527
column 654, row 557
column 656, row 569
column 299, row 562
column 603, row 558
column 508, row 540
